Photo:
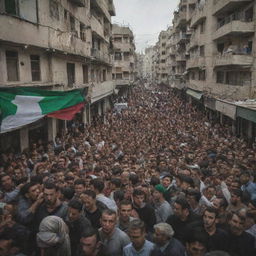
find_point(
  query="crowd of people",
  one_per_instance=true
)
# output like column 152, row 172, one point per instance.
column 157, row 179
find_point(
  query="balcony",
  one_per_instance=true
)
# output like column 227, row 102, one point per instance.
column 196, row 62
column 235, row 27
column 233, row 59
column 97, row 27
column 182, row 38
column 100, row 5
column 79, row 3
column 180, row 57
column 182, row 18
column 100, row 56
column 190, row 2
column 224, row 6
column 183, row 3
column 198, row 16
column 102, row 90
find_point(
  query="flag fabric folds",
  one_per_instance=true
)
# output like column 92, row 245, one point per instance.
column 22, row 106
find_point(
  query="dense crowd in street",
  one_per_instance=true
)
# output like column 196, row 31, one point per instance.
column 156, row 179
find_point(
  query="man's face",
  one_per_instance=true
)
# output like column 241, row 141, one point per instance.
column 156, row 195
column 73, row 214
column 139, row 200
column 61, row 162
column 137, row 237
column 125, row 212
column 60, row 176
column 33, row 192
column 166, row 182
column 89, row 245
column 178, row 211
column 7, row 183
column 236, row 225
column 209, row 219
column 244, row 179
column 160, row 238
column 195, row 249
column 79, row 188
column 108, row 223
column 88, row 201
column 50, row 196
column 18, row 174
column 234, row 199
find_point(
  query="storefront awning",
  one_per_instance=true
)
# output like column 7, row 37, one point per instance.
column 194, row 94
column 226, row 109
column 210, row 103
column 246, row 113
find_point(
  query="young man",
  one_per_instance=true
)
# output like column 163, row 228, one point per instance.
column 145, row 211
column 124, row 215
column 112, row 237
column 139, row 246
column 90, row 244
column 76, row 223
column 217, row 238
column 162, row 208
column 91, row 210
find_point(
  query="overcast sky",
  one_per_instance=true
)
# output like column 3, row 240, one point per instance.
column 145, row 17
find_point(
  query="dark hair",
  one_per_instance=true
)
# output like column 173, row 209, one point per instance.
column 187, row 179
column 49, row 185
column 98, row 184
column 195, row 193
column 79, row 182
column 154, row 181
column 125, row 202
column 108, row 212
column 136, row 224
column 182, row 202
column 90, row 193
column 68, row 193
column 198, row 234
column 116, row 181
column 134, row 178
column 25, row 189
column 90, row 231
column 139, row 192
column 212, row 210
column 118, row 195
column 237, row 192
column 75, row 204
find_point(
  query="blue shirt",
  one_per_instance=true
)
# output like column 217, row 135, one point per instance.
column 250, row 187
column 129, row 250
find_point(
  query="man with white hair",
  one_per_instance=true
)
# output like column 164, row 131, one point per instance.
column 166, row 244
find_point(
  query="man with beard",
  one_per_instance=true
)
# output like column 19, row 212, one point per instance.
column 236, row 201
column 218, row 238
column 240, row 242
column 51, row 204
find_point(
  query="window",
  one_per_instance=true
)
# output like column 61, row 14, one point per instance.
column 126, row 75
column 202, row 75
column 92, row 75
column 119, row 76
column 126, row 39
column 11, row 7
column 12, row 66
column 82, row 32
column 85, row 74
column 162, row 61
column 54, row 10
column 71, row 74
column 220, row 77
column 104, row 74
column 118, row 39
column 72, row 23
column 192, row 75
column 118, row 56
column 202, row 50
column 118, row 69
column 126, row 56
column 202, row 27
column 163, row 53
column 65, row 14
column 35, row 67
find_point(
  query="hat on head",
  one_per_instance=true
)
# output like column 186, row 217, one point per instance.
column 160, row 188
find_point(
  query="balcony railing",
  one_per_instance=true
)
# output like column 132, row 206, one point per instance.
column 198, row 15
column 229, row 59
column 196, row 62
column 79, row 3
column 223, row 6
column 97, row 54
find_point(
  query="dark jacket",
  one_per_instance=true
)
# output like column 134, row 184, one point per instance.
column 174, row 247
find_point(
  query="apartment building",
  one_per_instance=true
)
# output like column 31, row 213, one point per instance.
column 56, row 45
column 148, row 64
column 124, row 58
column 211, row 54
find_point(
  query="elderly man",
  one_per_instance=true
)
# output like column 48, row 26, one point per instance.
column 166, row 244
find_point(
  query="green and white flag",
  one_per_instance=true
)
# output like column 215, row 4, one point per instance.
column 22, row 106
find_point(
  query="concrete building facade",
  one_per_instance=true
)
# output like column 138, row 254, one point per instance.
column 56, row 45
column 124, row 58
column 211, row 54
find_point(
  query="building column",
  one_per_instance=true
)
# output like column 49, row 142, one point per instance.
column 24, row 138
column 249, row 130
column 52, row 128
